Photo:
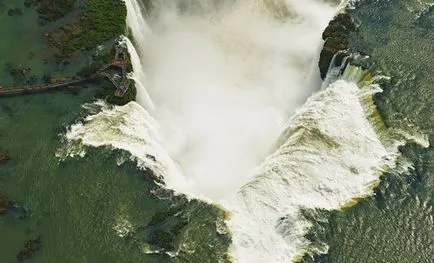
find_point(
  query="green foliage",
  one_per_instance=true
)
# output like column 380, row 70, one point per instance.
column 101, row 20
column 50, row 10
column 107, row 92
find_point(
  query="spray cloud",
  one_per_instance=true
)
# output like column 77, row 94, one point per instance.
column 223, row 76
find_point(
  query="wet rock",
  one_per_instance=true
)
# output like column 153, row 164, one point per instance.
column 340, row 26
column 5, row 203
column 154, row 177
column 4, row 158
column 30, row 248
column 336, row 41
column 151, row 157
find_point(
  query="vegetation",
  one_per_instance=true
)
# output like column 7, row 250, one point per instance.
column 93, row 23
column 102, row 19
column 99, row 21
column 51, row 10
column 107, row 92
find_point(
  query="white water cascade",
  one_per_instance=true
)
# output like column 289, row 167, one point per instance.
column 217, row 84
column 330, row 154
column 223, row 79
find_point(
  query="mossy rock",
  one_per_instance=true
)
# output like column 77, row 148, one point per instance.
column 107, row 93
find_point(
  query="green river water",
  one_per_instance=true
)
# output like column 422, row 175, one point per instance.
column 76, row 205
column 396, row 224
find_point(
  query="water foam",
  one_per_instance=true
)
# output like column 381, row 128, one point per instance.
column 220, row 112
column 223, row 78
column 129, row 128
column 330, row 155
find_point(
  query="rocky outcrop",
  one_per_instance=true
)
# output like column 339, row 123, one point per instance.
column 5, row 203
column 30, row 248
column 154, row 177
column 336, row 41
column 4, row 158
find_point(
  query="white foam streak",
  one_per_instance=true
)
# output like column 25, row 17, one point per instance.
column 223, row 84
column 138, row 75
column 331, row 155
column 129, row 128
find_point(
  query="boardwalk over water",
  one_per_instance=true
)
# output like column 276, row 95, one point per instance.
column 43, row 87
column 122, row 87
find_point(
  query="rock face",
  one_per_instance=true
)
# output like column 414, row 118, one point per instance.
column 336, row 41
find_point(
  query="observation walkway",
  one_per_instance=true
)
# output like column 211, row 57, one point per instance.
column 70, row 83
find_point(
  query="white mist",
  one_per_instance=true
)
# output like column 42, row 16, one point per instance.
column 223, row 80
column 217, row 84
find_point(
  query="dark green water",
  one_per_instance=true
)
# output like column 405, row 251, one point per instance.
column 395, row 225
column 76, row 205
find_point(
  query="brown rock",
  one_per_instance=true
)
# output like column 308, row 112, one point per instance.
column 30, row 248
column 4, row 158
column 5, row 203
column 336, row 40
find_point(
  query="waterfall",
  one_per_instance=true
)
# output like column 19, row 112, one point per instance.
column 217, row 83
column 138, row 75
column 223, row 78
column 330, row 155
